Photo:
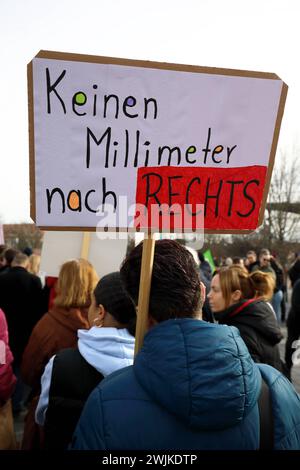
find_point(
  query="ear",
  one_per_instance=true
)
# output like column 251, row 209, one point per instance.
column 203, row 292
column 102, row 312
column 236, row 296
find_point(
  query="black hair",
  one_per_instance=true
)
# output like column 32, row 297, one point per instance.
column 175, row 286
column 27, row 251
column 111, row 294
column 9, row 255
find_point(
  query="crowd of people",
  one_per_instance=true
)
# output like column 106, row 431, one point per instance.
column 210, row 350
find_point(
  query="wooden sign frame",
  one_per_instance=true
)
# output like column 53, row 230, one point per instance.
column 155, row 65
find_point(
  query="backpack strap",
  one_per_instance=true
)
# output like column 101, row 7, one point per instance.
column 266, row 441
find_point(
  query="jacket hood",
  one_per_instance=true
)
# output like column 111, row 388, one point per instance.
column 258, row 314
column 106, row 349
column 200, row 372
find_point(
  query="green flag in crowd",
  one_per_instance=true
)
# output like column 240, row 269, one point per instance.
column 208, row 257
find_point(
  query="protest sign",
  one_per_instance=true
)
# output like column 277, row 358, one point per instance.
column 1, row 235
column 58, row 247
column 109, row 137
column 119, row 144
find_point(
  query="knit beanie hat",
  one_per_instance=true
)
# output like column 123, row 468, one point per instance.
column 111, row 294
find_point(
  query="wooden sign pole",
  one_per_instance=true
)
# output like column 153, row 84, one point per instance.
column 144, row 291
column 85, row 246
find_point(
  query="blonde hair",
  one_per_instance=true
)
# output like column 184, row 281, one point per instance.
column 76, row 282
column 255, row 285
column 34, row 264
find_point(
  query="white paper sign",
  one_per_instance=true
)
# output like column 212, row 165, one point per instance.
column 58, row 247
column 132, row 132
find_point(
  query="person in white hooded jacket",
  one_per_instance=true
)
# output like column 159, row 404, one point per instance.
column 72, row 374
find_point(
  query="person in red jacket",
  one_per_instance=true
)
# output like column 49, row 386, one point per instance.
column 7, row 386
column 7, row 378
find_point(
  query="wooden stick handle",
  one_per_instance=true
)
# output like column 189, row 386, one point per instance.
column 144, row 291
column 85, row 246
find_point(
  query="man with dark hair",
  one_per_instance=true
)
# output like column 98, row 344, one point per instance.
column 175, row 281
column 7, row 258
column 251, row 260
column 193, row 384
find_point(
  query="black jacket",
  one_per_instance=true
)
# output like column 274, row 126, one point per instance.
column 258, row 328
column 294, row 272
column 21, row 300
column 279, row 275
column 72, row 381
column 293, row 321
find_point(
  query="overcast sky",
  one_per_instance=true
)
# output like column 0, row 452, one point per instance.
column 262, row 35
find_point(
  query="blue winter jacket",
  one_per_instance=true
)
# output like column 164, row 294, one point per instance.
column 193, row 386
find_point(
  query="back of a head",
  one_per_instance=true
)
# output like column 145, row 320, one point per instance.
column 9, row 255
column 20, row 259
column 254, row 285
column 76, row 282
column 264, row 284
column 175, row 286
column 111, row 293
column 28, row 251
column 228, row 261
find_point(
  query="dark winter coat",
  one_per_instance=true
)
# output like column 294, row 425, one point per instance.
column 21, row 300
column 67, row 396
column 101, row 351
column 193, row 385
column 294, row 272
column 293, row 321
column 258, row 328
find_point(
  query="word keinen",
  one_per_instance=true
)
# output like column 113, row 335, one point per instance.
column 89, row 103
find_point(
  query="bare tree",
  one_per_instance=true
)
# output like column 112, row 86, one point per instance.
column 282, row 212
column 24, row 235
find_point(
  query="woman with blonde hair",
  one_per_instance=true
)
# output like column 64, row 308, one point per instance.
column 106, row 347
column 34, row 264
column 57, row 329
column 239, row 299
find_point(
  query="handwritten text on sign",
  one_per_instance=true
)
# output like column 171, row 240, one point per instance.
column 157, row 136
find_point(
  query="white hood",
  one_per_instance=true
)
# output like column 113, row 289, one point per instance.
column 106, row 349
